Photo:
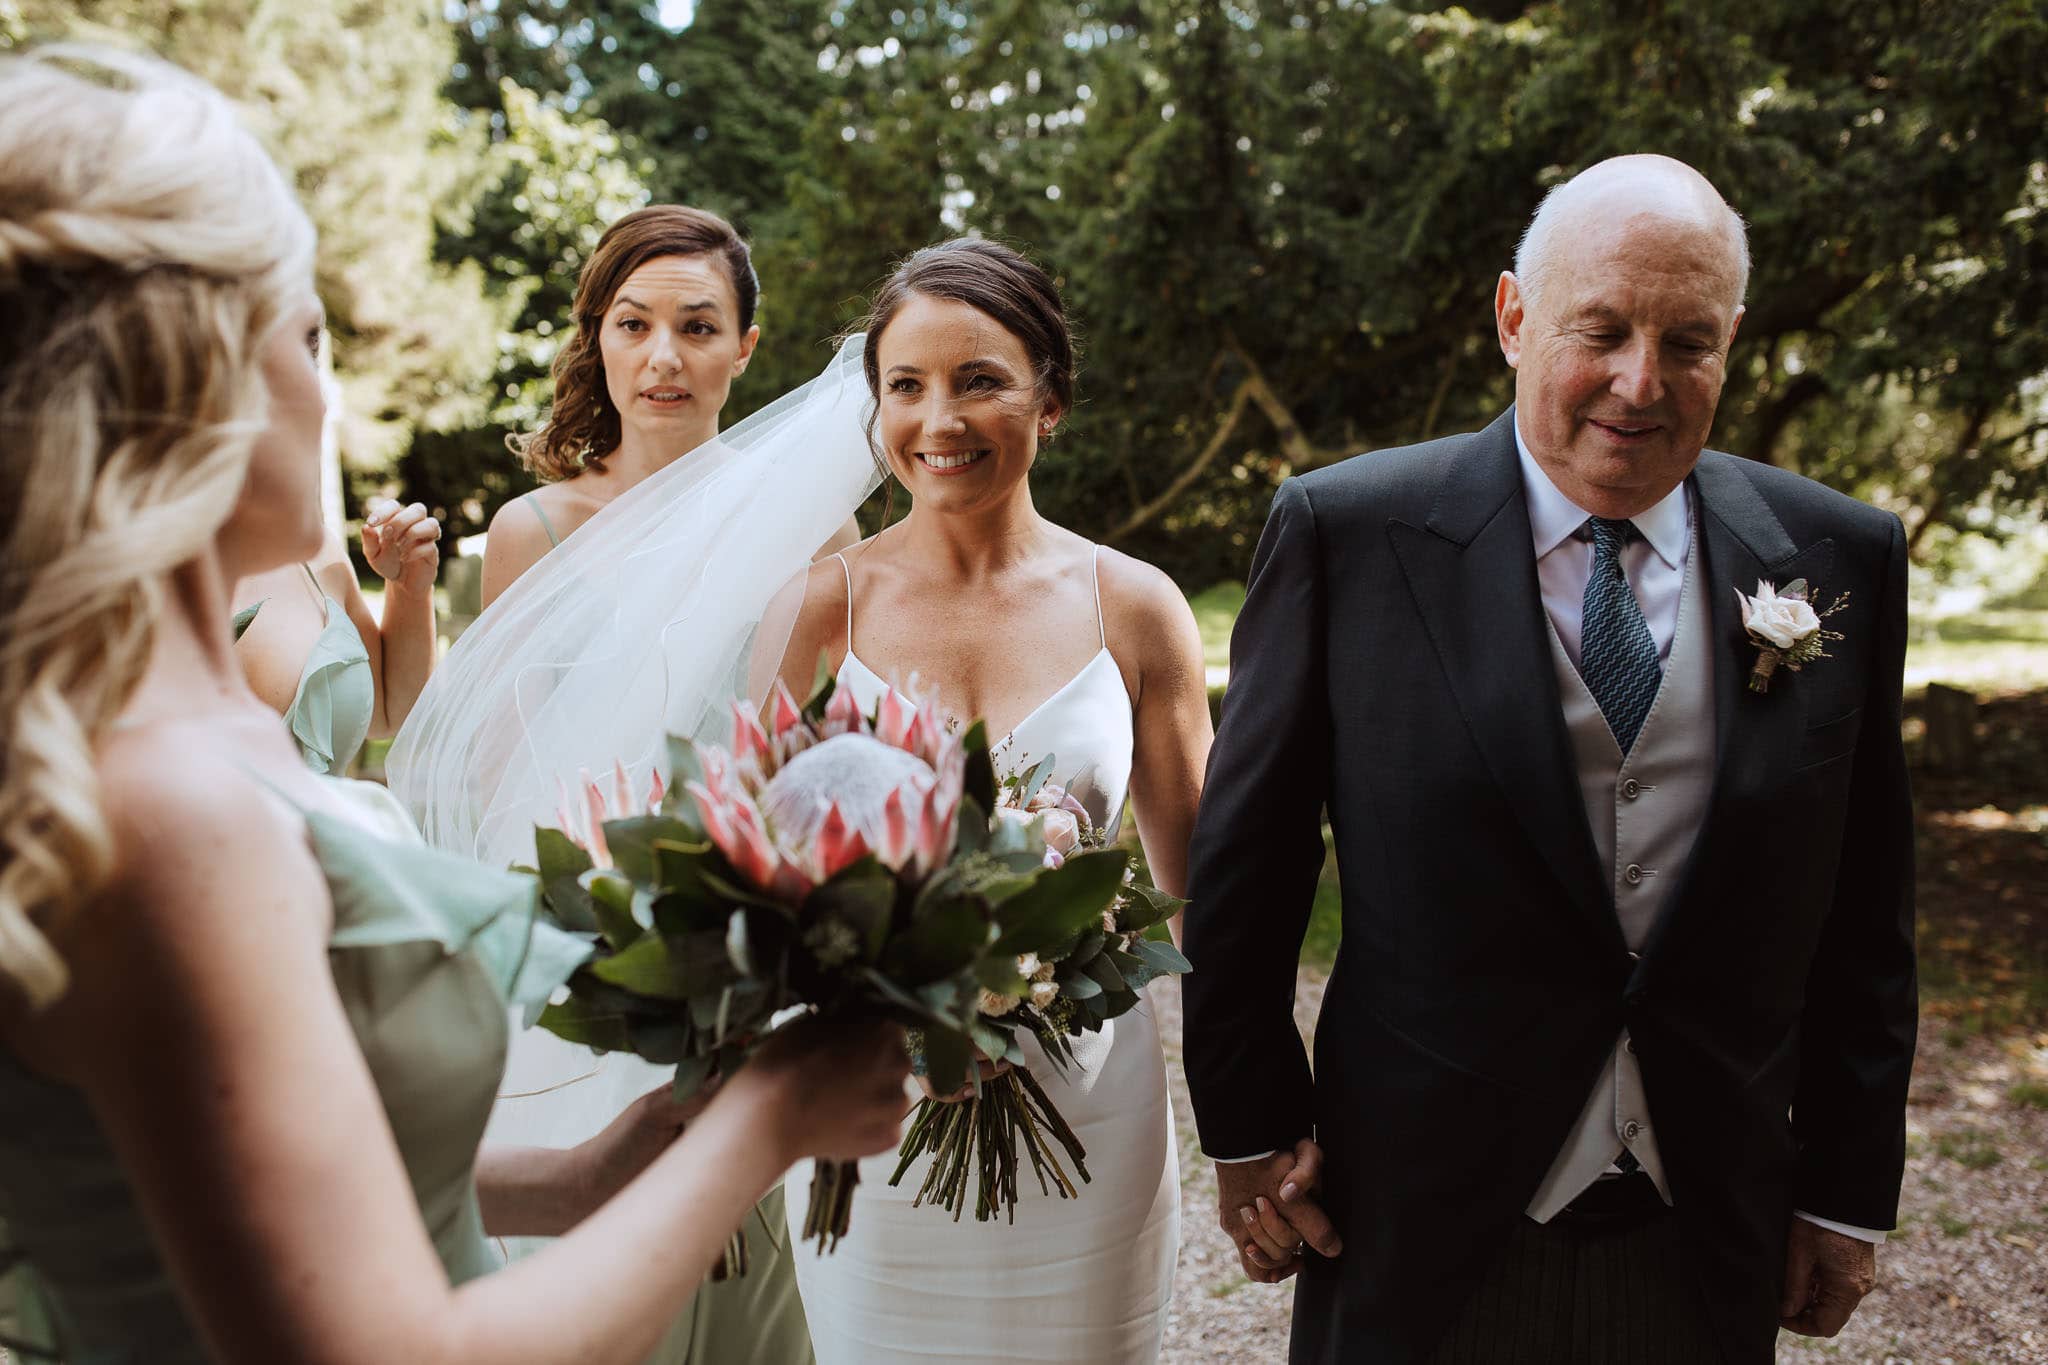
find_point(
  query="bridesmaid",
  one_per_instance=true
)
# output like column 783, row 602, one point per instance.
column 311, row 649
column 238, row 1032
column 664, row 316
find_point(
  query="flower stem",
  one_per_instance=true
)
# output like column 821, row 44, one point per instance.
column 984, row 1130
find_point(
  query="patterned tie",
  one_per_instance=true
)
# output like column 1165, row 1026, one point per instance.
column 1617, row 657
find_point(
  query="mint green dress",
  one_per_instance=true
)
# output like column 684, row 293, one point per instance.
column 337, row 695
column 757, row 1319
column 428, row 952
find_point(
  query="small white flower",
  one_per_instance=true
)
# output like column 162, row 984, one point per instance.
column 996, row 1005
column 1043, row 993
column 1780, row 621
column 1027, row 965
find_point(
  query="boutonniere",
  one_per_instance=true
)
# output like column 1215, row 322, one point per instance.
column 1785, row 629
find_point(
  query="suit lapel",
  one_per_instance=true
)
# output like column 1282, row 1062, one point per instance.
column 1757, row 736
column 1471, row 568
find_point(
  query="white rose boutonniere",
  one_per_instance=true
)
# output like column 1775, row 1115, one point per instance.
column 1785, row 629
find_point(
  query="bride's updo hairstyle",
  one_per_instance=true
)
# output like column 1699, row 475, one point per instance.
column 147, row 247
column 582, row 425
column 993, row 279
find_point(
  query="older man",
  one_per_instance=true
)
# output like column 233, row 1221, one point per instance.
column 1613, row 1063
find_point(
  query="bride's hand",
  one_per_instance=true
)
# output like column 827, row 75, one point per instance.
column 988, row 1070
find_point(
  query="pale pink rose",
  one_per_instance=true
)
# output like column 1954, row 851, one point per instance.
column 1784, row 621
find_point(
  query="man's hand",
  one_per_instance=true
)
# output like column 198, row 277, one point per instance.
column 1265, row 1209
column 1826, row 1275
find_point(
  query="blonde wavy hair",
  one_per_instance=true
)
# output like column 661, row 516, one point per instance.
column 147, row 247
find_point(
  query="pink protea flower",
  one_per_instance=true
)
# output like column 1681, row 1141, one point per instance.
column 793, row 804
column 583, row 821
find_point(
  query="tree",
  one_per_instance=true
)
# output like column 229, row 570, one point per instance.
column 348, row 100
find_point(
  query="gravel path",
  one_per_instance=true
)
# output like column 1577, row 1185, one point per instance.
column 1964, row 1281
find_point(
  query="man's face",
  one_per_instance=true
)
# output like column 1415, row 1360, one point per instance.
column 1620, row 356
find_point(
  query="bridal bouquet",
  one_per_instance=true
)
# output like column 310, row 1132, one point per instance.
column 828, row 861
column 1053, row 994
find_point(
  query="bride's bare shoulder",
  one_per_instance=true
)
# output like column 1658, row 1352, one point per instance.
column 1145, row 612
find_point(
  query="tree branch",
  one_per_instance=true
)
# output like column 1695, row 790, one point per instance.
column 1186, row 478
column 1301, row 452
column 1771, row 424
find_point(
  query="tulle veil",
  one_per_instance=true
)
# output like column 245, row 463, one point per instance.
column 646, row 622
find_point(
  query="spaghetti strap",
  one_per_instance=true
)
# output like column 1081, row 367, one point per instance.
column 1095, row 570
column 847, row 569
column 319, row 595
column 545, row 524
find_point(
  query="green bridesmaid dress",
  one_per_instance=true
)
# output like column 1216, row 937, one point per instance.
column 337, row 694
column 428, row 953
column 757, row 1319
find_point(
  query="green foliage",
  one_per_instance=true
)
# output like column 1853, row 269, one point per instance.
column 1278, row 225
column 348, row 99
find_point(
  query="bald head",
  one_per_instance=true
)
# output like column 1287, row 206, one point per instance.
column 1611, row 196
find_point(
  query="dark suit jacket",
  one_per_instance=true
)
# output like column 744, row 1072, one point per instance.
column 1391, row 665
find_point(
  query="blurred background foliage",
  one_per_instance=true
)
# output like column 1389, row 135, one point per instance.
column 1278, row 222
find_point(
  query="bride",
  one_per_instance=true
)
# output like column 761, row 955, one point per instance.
column 1065, row 649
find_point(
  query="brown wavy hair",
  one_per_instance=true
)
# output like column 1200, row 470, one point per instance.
column 582, row 426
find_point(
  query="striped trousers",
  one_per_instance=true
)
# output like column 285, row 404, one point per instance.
column 1569, row 1293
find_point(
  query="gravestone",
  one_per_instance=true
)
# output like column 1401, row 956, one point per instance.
column 1951, row 730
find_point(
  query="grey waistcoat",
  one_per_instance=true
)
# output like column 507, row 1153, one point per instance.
column 1645, row 811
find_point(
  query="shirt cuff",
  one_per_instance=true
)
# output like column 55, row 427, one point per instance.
column 1846, row 1229
column 1240, row 1160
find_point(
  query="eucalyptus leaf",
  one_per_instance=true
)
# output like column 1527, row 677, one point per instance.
column 1062, row 902
column 558, row 855
column 632, row 842
column 611, row 899
column 1105, row 973
column 576, row 1022
column 947, row 939
column 1164, row 956
column 1008, row 836
column 1147, row 905
column 662, row 1040
column 646, row 968
column 569, row 905
column 1078, row 986
column 971, row 828
column 1034, row 781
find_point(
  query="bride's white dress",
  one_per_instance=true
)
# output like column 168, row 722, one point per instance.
column 1084, row 1279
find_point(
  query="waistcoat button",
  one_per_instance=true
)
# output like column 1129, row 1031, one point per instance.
column 1633, row 874
column 1631, row 788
